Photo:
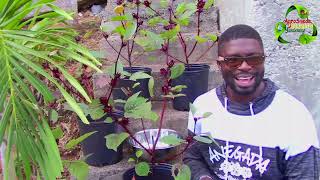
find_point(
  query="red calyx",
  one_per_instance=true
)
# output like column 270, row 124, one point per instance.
column 108, row 109
column 113, row 82
column 119, row 2
column 165, row 89
column 105, row 35
column 171, row 63
column 104, row 100
column 189, row 139
column 77, row 38
column 124, row 121
column 163, row 72
column 146, row 3
column 56, row 73
column 138, row 2
column 140, row 23
column 134, row 15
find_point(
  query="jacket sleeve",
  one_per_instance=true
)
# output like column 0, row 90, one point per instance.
column 304, row 166
column 196, row 162
column 302, row 156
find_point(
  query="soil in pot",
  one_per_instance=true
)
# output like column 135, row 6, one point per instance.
column 195, row 77
column 94, row 147
column 158, row 172
column 127, row 84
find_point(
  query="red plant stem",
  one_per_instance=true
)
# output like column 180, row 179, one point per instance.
column 175, row 155
column 130, row 134
column 198, row 33
column 205, row 52
column 167, row 53
column 164, row 104
column 116, row 50
column 144, row 131
column 156, row 12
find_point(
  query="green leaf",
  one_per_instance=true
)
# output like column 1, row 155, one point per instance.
column 79, row 169
column 181, row 8
column 151, row 86
column 139, row 153
column 178, row 88
column 192, row 108
column 201, row 39
column 142, row 169
column 111, row 70
column 95, row 109
column 120, row 101
column 60, row 11
column 206, row 114
column 184, row 173
column 126, row 17
column 208, row 4
column 73, row 142
column 171, row 140
column 203, row 139
column 131, row 160
column 139, row 75
column 157, row 20
column 130, row 30
column 212, row 37
column 114, row 140
column 54, row 116
column 108, row 120
column 149, row 41
column 135, row 85
column 176, row 71
column 170, row 34
column 108, row 26
column 164, row 3
column 57, row 133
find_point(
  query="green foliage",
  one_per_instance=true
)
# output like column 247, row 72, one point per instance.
column 184, row 172
column 178, row 88
column 139, row 153
column 57, row 133
column 176, row 71
column 137, row 107
column 26, row 43
column 142, row 169
column 209, row 4
column 113, row 141
column 172, row 140
column 108, row 120
column 54, row 115
column 201, row 39
column 78, row 169
column 203, row 139
column 149, row 41
column 139, row 75
column 73, row 142
column 151, row 86
column 170, row 34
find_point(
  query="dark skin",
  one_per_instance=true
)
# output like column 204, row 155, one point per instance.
column 247, row 90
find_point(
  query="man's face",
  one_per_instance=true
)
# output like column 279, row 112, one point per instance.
column 245, row 79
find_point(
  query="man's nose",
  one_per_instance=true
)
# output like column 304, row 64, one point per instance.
column 244, row 66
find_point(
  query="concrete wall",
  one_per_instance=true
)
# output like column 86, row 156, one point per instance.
column 294, row 67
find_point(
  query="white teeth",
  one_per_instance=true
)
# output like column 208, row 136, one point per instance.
column 244, row 77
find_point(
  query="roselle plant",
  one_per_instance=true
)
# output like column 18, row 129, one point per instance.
column 34, row 49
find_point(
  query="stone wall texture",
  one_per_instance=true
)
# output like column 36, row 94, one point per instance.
column 294, row 67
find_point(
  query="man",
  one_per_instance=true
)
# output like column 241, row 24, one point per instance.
column 261, row 131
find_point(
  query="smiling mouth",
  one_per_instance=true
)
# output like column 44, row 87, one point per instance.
column 244, row 80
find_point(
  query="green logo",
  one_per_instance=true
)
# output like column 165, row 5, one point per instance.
column 300, row 24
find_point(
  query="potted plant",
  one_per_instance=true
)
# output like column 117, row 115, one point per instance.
column 32, row 66
column 173, row 19
column 126, row 25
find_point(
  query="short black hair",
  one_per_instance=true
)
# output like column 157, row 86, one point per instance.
column 237, row 32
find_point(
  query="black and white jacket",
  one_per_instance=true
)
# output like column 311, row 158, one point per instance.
column 272, row 138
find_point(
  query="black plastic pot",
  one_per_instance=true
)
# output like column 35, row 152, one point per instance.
column 195, row 77
column 158, row 172
column 95, row 145
column 126, row 83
